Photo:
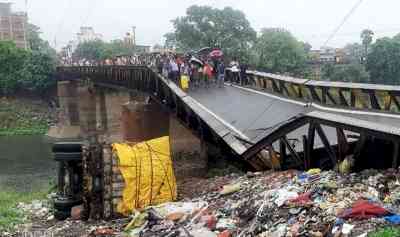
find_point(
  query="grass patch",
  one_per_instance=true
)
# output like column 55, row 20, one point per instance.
column 24, row 131
column 9, row 215
column 386, row 232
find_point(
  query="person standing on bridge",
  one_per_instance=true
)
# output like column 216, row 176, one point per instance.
column 165, row 69
column 208, row 73
column 243, row 74
column 194, row 74
column 234, row 67
column 174, row 70
column 221, row 74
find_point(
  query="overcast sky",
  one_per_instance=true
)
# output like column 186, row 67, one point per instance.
column 309, row 20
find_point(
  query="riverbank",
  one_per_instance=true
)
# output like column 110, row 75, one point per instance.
column 25, row 116
column 27, row 172
column 10, row 214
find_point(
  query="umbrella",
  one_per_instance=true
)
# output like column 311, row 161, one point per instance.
column 205, row 50
column 216, row 53
column 196, row 60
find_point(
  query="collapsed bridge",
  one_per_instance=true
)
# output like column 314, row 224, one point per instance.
column 301, row 123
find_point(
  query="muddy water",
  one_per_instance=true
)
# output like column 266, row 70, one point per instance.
column 26, row 162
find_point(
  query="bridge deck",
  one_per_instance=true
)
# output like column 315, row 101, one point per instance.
column 254, row 113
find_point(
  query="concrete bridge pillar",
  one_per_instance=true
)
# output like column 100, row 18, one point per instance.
column 143, row 119
column 87, row 113
column 102, row 118
column 68, row 116
column 68, row 101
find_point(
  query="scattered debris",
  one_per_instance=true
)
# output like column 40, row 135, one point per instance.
column 289, row 203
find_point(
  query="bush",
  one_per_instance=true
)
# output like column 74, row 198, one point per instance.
column 24, row 70
column 353, row 72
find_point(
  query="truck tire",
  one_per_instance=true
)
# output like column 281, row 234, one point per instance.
column 64, row 156
column 66, row 204
column 67, row 147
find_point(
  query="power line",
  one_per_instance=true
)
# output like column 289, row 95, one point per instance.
column 346, row 17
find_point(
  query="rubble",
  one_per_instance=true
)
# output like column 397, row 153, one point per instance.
column 289, row 203
column 271, row 204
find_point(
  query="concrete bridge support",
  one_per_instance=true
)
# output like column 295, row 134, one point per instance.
column 68, row 116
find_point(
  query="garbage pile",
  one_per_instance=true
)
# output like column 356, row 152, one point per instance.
column 279, row 204
column 39, row 209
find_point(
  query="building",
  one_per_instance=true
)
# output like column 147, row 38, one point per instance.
column 130, row 40
column 327, row 55
column 85, row 34
column 130, row 37
column 88, row 34
column 13, row 25
column 315, row 56
column 340, row 56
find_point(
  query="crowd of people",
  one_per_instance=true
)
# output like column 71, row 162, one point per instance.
column 187, row 71
column 204, row 72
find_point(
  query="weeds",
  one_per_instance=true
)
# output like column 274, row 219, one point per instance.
column 9, row 199
column 386, row 232
column 23, row 118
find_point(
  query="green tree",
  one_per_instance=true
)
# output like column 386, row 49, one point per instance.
column 27, row 69
column 397, row 37
column 24, row 69
column 353, row 53
column 277, row 51
column 12, row 61
column 170, row 41
column 93, row 51
column 353, row 72
column 38, row 71
column 383, row 61
column 307, row 47
column 204, row 26
column 366, row 39
column 118, row 47
column 36, row 43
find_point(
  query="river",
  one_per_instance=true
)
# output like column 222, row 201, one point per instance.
column 26, row 163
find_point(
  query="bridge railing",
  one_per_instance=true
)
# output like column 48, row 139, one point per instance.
column 359, row 96
column 356, row 96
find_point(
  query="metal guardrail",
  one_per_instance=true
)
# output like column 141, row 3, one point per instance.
column 357, row 96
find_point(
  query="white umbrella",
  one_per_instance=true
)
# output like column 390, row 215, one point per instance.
column 196, row 60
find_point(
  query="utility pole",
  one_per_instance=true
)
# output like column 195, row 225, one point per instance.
column 134, row 35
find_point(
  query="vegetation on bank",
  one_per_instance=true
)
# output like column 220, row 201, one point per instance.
column 27, row 70
column 9, row 199
column 386, row 232
column 24, row 117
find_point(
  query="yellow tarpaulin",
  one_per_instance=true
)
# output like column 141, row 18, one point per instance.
column 148, row 174
column 184, row 82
